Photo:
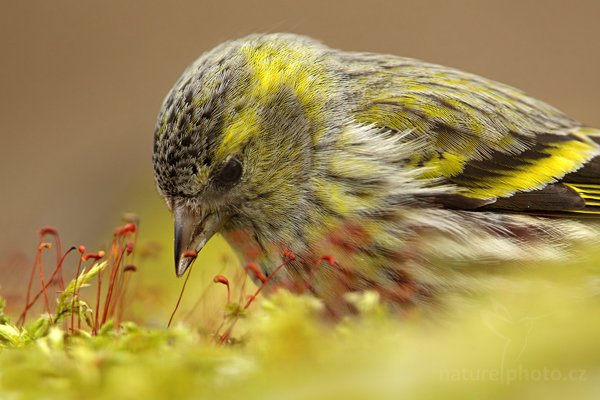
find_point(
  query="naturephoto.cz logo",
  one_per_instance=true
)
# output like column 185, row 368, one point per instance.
column 514, row 333
column 510, row 375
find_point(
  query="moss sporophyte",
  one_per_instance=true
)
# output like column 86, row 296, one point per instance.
column 64, row 304
column 65, row 301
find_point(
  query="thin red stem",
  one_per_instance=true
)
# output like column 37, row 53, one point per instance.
column 120, row 281
column 122, row 293
column 180, row 296
column 54, row 233
column 49, row 283
column 59, row 260
column 117, row 283
column 115, row 249
column 28, row 304
column 41, row 271
column 271, row 275
column 289, row 257
column 111, row 285
column 23, row 315
column 98, row 291
column 224, row 281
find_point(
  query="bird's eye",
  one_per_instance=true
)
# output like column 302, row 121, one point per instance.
column 231, row 172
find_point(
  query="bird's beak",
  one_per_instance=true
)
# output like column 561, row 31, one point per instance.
column 192, row 231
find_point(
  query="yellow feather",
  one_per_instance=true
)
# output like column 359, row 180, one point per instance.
column 564, row 158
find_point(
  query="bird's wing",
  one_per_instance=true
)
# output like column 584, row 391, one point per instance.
column 500, row 147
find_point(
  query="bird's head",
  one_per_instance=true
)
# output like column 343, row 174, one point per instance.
column 234, row 141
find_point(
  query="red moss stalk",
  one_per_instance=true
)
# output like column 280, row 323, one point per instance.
column 288, row 256
column 179, row 298
column 121, row 295
column 191, row 254
column 95, row 257
column 256, row 272
column 41, row 247
column 28, row 304
column 224, row 281
column 54, row 233
column 111, row 285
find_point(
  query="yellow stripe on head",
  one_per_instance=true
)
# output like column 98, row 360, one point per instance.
column 274, row 66
column 237, row 131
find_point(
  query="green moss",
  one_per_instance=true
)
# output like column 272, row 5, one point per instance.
column 536, row 337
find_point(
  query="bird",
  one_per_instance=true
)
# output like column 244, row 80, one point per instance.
column 359, row 171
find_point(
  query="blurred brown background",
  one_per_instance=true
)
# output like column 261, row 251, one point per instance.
column 81, row 83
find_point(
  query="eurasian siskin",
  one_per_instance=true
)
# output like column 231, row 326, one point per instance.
column 399, row 171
